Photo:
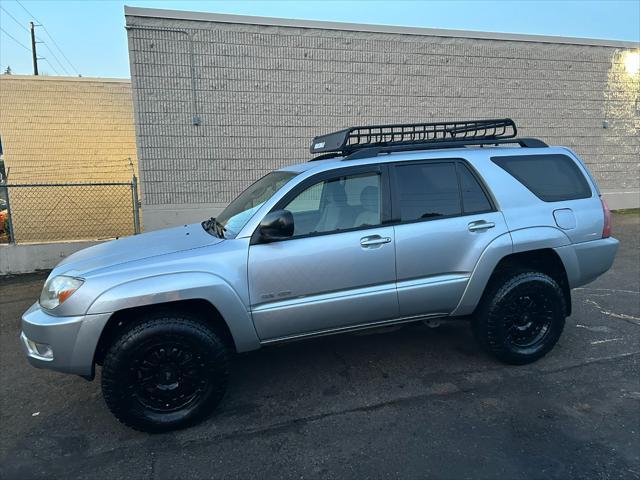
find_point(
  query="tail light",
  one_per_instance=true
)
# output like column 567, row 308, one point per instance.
column 606, row 231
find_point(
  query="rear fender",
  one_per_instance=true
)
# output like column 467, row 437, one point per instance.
column 500, row 247
column 537, row 238
column 517, row 241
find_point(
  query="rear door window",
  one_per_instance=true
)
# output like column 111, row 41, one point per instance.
column 427, row 191
column 551, row 178
column 474, row 199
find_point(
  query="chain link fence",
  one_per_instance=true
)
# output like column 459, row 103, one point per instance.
column 51, row 212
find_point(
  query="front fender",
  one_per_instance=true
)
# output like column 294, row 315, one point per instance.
column 174, row 287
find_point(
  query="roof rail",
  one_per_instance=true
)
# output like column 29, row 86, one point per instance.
column 360, row 142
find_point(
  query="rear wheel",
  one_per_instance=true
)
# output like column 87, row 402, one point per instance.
column 520, row 317
column 167, row 372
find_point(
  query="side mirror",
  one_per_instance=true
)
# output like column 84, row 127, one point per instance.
column 275, row 226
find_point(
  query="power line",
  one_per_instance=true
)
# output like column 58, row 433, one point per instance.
column 39, row 40
column 50, row 64
column 28, row 12
column 50, row 36
column 14, row 19
column 60, row 50
column 15, row 39
column 56, row 58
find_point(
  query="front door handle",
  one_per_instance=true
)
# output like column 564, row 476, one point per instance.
column 373, row 241
column 480, row 226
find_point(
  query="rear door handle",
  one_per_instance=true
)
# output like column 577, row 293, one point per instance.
column 373, row 241
column 480, row 225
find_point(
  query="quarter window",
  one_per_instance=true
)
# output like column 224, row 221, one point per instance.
column 551, row 178
column 427, row 190
column 337, row 204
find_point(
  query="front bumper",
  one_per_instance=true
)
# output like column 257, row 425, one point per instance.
column 73, row 340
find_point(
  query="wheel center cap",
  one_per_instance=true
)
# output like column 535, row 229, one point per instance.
column 168, row 378
column 524, row 323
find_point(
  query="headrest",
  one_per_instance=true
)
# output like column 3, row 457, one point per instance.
column 335, row 192
column 369, row 198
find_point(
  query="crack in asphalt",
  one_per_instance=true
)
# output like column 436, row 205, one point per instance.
column 616, row 290
column 622, row 316
column 607, row 340
column 152, row 465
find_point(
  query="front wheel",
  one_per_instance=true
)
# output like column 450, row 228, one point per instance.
column 165, row 373
column 521, row 317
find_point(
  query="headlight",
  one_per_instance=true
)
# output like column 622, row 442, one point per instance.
column 57, row 290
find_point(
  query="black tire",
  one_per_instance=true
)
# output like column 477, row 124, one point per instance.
column 166, row 372
column 520, row 317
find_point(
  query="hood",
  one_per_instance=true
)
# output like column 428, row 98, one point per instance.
column 137, row 247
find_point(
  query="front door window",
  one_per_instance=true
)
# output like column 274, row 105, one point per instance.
column 343, row 203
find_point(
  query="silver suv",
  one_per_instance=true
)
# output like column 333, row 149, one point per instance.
column 390, row 224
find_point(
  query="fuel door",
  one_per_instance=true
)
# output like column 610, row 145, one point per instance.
column 565, row 218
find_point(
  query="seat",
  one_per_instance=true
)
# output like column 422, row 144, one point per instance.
column 370, row 203
column 336, row 213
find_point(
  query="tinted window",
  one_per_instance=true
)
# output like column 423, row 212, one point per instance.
column 428, row 190
column 337, row 204
column 474, row 199
column 550, row 177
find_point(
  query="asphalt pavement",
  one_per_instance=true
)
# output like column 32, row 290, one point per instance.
column 405, row 402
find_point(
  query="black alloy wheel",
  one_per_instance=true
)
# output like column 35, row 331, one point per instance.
column 520, row 317
column 167, row 372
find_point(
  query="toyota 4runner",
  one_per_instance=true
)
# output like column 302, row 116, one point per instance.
column 389, row 224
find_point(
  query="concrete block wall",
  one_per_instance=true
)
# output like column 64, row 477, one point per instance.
column 262, row 88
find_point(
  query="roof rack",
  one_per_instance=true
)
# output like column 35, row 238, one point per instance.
column 361, row 142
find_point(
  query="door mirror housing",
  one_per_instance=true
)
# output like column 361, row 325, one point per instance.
column 276, row 226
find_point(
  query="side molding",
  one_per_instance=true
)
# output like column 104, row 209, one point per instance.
column 184, row 286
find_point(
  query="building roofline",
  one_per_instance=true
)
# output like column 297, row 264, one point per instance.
column 65, row 78
column 361, row 27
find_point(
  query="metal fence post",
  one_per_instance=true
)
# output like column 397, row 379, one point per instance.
column 136, row 205
column 9, row 220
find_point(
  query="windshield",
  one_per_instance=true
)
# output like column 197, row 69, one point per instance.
column 240, row 210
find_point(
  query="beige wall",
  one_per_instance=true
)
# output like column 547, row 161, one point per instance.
column 68, row 130
column 263, row 91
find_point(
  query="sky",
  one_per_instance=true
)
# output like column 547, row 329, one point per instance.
column 87, row 37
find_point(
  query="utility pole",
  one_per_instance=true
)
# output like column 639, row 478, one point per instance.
column 33, row 48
